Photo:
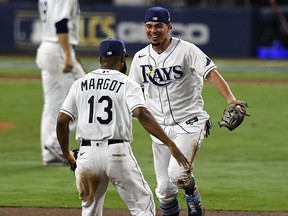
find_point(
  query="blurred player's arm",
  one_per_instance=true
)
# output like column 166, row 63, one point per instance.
column 63, row 38
column 151, row 126
column 221, row 85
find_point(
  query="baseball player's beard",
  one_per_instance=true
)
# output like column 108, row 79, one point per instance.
column 155, row 44
column 124, row 68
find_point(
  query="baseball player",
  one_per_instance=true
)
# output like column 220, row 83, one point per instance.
column 104, row 102
column 59, row 67
column 172, row 71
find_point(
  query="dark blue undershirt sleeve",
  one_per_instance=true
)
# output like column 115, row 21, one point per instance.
column 62, row 26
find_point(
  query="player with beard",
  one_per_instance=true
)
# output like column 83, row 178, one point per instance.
column 171, row 72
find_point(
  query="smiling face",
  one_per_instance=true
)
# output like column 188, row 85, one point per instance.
column 158, row 33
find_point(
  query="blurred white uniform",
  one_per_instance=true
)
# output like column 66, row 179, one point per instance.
column 50, row 60
column 103, row 102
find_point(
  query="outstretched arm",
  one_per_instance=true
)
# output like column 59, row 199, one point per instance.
column 236, row 111
column 151, row 126
column 221, row 85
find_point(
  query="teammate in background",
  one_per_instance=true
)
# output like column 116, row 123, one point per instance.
column 59, row 68
column 104, row 102
column 172, row 71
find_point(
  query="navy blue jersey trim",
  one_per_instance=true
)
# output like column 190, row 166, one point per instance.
column 209, row 70
column 166, row 88
column 71, row 115
column 171, row 52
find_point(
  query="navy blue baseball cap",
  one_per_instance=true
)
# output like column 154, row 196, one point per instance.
column 112, row 47
column 157, row 14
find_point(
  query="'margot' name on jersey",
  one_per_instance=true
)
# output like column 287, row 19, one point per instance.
column 100, row 84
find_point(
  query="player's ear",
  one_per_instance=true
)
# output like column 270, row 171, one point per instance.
column 169, row 26
column 123, row 65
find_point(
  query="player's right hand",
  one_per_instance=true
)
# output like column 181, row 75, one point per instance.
column 68, row 64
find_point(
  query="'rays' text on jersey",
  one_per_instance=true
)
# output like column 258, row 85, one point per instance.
column 99, row 84
column 161, row 76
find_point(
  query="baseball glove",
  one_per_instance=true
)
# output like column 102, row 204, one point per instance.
column 74, row 166
column 234, row 115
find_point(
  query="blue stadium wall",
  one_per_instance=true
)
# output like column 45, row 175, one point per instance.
column 218, row 32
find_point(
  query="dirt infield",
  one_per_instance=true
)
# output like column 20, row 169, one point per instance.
column 7, row 211
column 6, row 125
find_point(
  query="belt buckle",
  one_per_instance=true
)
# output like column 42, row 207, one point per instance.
column 99, row 143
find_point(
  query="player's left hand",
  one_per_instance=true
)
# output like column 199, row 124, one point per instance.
column 234, row 114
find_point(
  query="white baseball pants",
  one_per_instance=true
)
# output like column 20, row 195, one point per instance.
column 101, row 163
column 55, row 86
column 169, row 175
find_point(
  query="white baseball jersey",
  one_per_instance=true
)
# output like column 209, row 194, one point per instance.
column 172, row 80
column 103, row 102
column 52, row 11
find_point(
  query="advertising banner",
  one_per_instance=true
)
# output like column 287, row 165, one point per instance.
column 218, row 32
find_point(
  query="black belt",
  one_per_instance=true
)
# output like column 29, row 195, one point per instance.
column 110, row 142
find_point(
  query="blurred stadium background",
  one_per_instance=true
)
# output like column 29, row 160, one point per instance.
column 235, row 28
column 223, row 29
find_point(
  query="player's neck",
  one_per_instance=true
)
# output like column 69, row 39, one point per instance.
column 109, row 67
column 163, row 46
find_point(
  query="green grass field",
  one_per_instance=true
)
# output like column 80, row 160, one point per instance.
column 241, row 170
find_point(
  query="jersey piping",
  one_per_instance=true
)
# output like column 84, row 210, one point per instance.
column 68, row 113
column 166, row 88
